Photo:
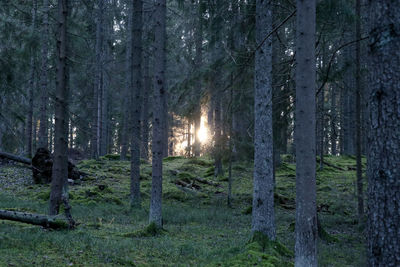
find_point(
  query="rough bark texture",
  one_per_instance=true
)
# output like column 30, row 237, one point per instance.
column 384, row 135
column 31, row 89
column 145, row 109
column 126, row 101
column 97, row 83
column 43, row 136
column 158, row 110
column 360, row 194
column 334, row 130
column 60, row 165
column 136, row 101
column 263, row 216
column 306, row 217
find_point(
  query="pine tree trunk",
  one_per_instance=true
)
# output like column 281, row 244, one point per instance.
column 136, row 101
column 43, row 136
column 96, row 107
column 306, row 217
column 31, row 89
column 145, row 109
column 160, row 88
column 384, row 135
column 60, row 164
column 360, row 194
column 333, row 122
column 263, row 217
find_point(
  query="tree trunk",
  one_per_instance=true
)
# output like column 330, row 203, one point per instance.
column 360, row 195
column 136, row 101
column 97, row 82
column 160, row 88
column 145, row 109
column 43, row 136
column 59, row 184
column 31, row 89
column 384, row 135
column 333, row 121
column 35, row 219
column 263, row 217
column 306, row 217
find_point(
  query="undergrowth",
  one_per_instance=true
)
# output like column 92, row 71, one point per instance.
column 198, row 228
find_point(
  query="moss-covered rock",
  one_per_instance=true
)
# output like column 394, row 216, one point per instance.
column 149, row 231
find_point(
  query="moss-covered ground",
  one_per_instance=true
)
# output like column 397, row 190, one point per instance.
column 199, row 228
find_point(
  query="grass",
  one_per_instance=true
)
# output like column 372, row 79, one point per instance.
column 198, row 228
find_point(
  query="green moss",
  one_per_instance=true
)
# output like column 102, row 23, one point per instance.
column 45, row 196
column 185, row 176
column 175, row 195
column 200, row 162
column 149, row 231
column 209, row 172
column 168, row 159
column 247, row 210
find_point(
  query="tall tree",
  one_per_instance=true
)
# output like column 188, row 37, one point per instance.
column 384, row 134
column 59, row 185
column 360, row 194
column 96, row 107
column 306, row 214
column 31, row 87
column 43, row 136
column 158, row 111
column 263, row 217
column 136, row 103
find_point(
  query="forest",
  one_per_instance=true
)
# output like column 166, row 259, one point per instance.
column 200, row 133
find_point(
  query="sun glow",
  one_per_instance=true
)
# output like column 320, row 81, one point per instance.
column 203, row 133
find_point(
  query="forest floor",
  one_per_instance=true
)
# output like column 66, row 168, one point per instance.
column 200, row 230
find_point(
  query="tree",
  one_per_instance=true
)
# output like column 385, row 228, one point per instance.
column 384, row 134
column 160, row 91
column 43, row 136
column 136, row 100
column 59, row 184
column 263, row 217
column 306, row 216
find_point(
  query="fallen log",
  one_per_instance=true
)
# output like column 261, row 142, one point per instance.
column 53, row 222
column 16, row 158
column 42, row 164
column 204, row 181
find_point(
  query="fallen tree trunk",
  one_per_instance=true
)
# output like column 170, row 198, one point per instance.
column 9, row 156
column 42, row 164
column 204, row 181
column 53, row 222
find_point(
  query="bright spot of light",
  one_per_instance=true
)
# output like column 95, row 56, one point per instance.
column 203, row 133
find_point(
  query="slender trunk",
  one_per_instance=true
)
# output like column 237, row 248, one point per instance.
column 97, row 82
column 43, row 136
column 145, row 108
column 126, row 101
column 263, row 218
column 136, row 101
column 360, row 197
column 160, row 88
column 189, row 139
column 384, row 135
column 198, row 64
column 333, row 122
column 59, row 185
column 31, row 88
column 306, row 215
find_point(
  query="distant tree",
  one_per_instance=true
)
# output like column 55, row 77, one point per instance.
column 306, row 213
column 160, row 92
column 263, row 218
column 44, row 93
column 384, row 134
column 137, row 25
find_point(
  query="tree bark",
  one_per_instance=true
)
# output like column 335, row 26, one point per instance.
column 43, row 136
column 384, row 135
column 160, row 92
column 136, row 100
column 35, row 219
column 263, row 217
column 306, row 217
column 31, row 89
column 59, row 184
